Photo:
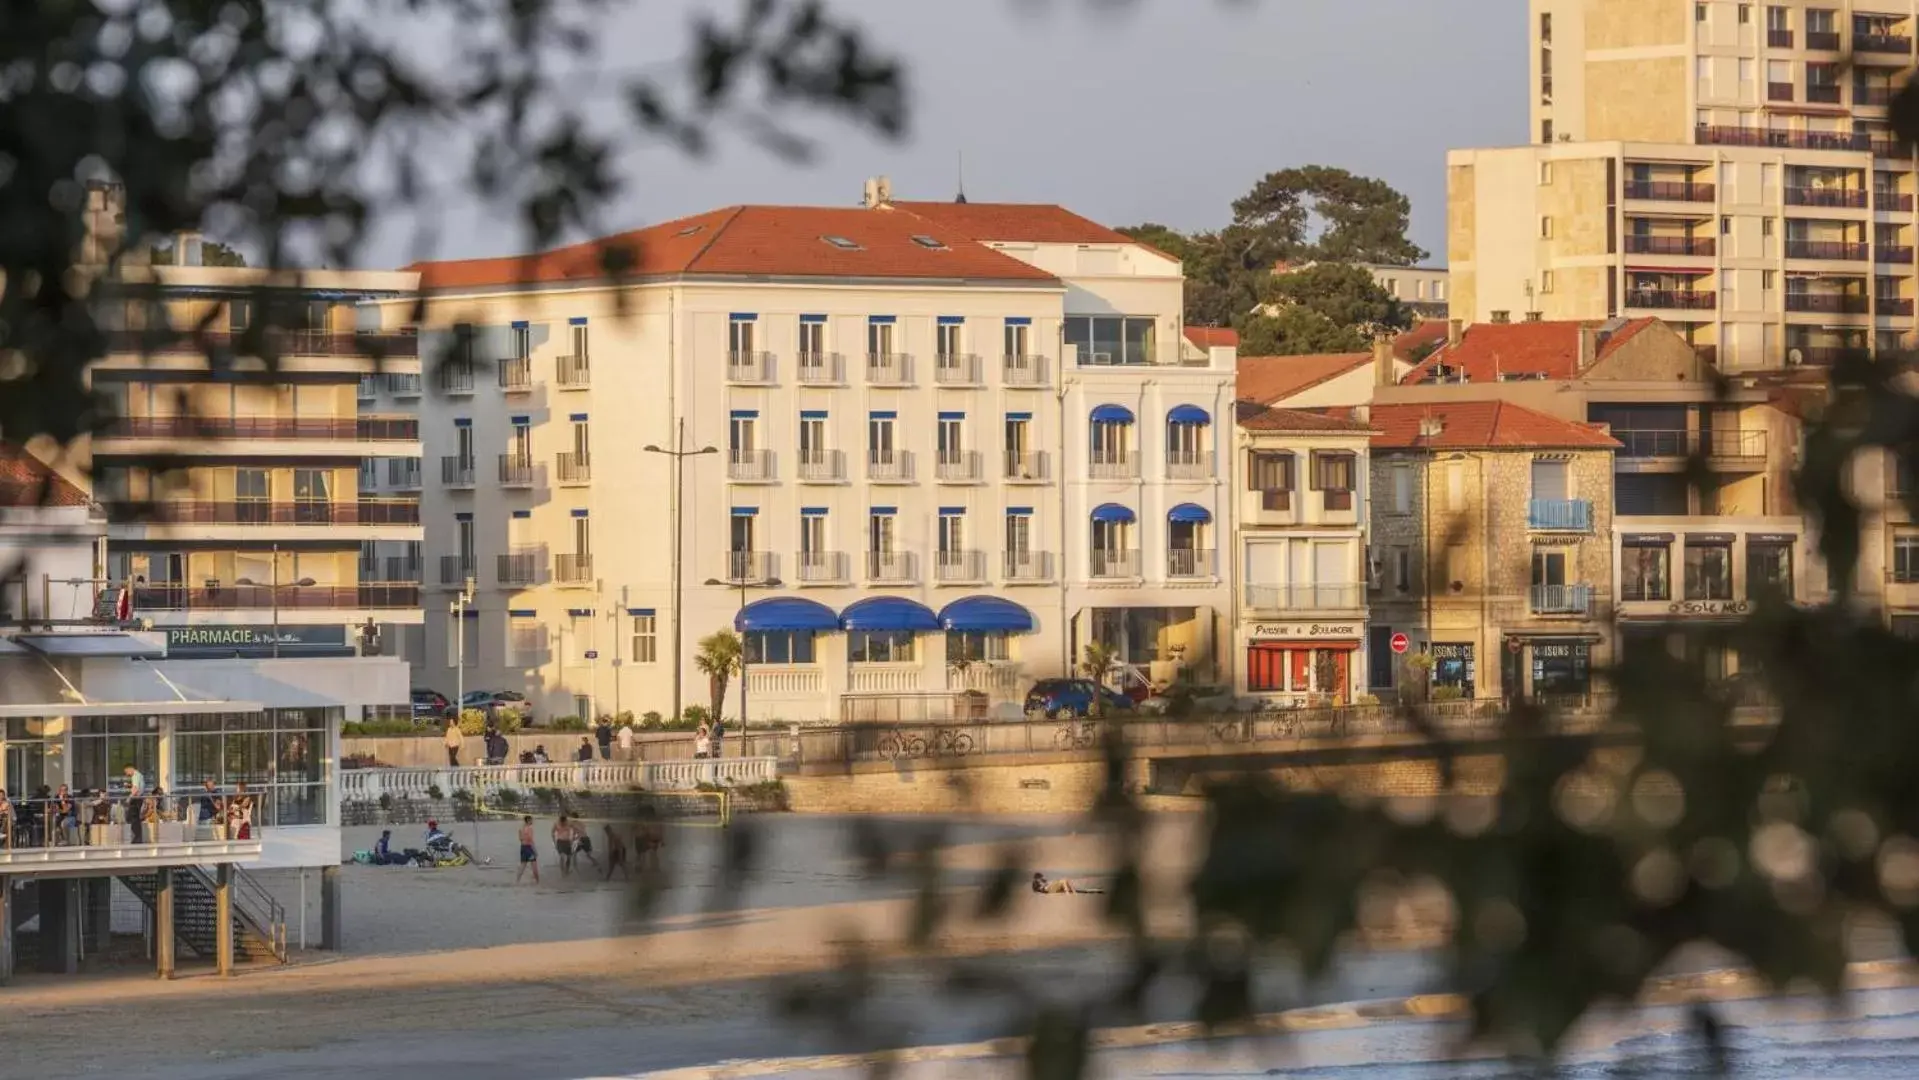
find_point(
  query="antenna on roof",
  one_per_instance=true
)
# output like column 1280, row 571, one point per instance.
column 961, row 174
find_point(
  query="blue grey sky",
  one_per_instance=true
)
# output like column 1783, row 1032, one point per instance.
column 1166, row 110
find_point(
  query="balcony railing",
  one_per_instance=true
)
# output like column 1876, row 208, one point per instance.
column 517, row 470
column 1891, row 253
column 263, row 512
column 751, row 567
column 574, row 372
column 456, row 569
column 575, row 468
column 1889, row 148
column 1669, row 191
column 1560, row 599
column 369, row 388
column 280, row 342
column 1845, row 198
column 890, row 567
column 399, row 568
column 1113, row 465
column 889, row 467
column 404, row 384
column 956, row 369
column 819, row 369
column 1189, row 465
column 889, row 369
column 1113, row 563
column 1778, row 91
column 456, row 471
column 1882, row 43
column 1717, row 443
column 1820, row 355
column 1877, row 96
column 1190, row 563
column 573, row 569
column 1023, row 370
column 958, row 566
column 821, row 567
column 455, row 377
column 959, row 467
column 274, row 428
column 383, row 595
column 521, row 568
column 1673, row 299
column 1641, row 244
column 1026, row 466
column 1895, row 305
column 1828, row 303
column 1027, row 565
column 1560, row 515
column 516, row 375
column 1779, row 39
column 1723, row 135
column 1343, row 596
column 822, row 466
column 750, row 466
column 1823, row 93
column 1822, row 40
column 1840, row 250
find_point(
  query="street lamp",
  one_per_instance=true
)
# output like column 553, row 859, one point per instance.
column 743, row 584
column 679, row 454
column 458, row 609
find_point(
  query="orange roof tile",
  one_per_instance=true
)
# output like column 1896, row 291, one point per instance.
column 1270, row 379
column 1033, row 223
column 1489, row 352
column 26, row 481
column 1429, row 332
column 1256, row 417
column 743, row 240
column 1481, row 425
column 1208, row 337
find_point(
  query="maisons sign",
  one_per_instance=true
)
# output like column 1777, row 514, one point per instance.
column 1306, row 631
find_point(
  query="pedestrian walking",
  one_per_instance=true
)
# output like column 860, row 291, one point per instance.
column 529, row 855
column 603, row 732
column 583, row 844
column 454, row 740
column 626, row 741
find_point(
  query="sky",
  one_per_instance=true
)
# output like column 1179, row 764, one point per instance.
column 1161, row 110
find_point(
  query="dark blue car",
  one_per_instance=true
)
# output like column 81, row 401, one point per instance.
column 1068, row 698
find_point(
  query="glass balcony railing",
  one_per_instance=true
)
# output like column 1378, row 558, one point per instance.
column 1560, row 515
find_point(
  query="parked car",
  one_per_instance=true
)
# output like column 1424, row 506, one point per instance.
column 1068, row 698
column 494, row 702
column 430, row 705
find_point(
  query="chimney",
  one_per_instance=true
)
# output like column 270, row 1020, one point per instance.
column 1455, row 331
column 1363, row 413
column 1588, row 346
column 879, row 192
column 1502, row 317
column 1431, row 427
column 1534, row 316
column 1383, row 360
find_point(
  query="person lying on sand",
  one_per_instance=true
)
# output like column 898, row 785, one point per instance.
column 1063, row 885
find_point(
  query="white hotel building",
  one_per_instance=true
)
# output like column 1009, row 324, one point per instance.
column 953, row 444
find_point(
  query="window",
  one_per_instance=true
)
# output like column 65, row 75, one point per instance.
column 1725, row 226
column 1699, row 13
column 1708, row 570
column 879, row 438
column 1019, row 462
column 581, row 443
column 1777, row 18
column 1545, row 173
column 879, row 337
column 580, row 340
column 1334, row 474
column 739, row 338
column 525, row 639
column 1765, row 226
column 1110, row 442
column 740, row 531
column 1403, row 569
column 463, row 540
column 582, row 534
column 946, row 338
column 1905, row 558
column 779, row 647
column 812, row 536
column 952, row 532
column 1185, row 442
column 841, row 242
column 951, row 436
column 239, row 315
column 740, row 440
column 1551, row 481
column 1645, row 571
column 463, row 443
column 1546, row 28
column 1017, row 338
column 928, row 242
column 1271, row 474
column 643, row 647
column 1745, row 14
column 1546, row 131
column 880, row 646
column 1768, row 280
column 812, row 438
column 880, row 533
column 812, row 336
column 1549, row 568
column 519, row 444
column 1546, row 227
column 1545, row 281
column 1019, row 533
column 1112, row 339
column 976, row 646
column 1402, row 488
column 280, row 754
column 1768, row 568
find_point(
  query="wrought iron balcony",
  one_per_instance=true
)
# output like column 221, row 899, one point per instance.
column 1560, row 599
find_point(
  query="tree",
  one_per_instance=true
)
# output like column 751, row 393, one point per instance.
column 1355, row 218
column 212, row 253
column 1097, row 661
column 1296, row 331
column 719, row 660
column 1346, row 295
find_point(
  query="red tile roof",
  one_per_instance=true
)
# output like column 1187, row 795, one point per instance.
column 1208, row 337
column 1550, row 350
column 1429, row 332
column 1254, row 417
column 26, row 481
column 742, row 240
column 1269, row 379
column 1481, row 425
column 1033, row 223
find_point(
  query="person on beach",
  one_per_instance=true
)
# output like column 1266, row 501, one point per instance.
column 648, row 839
column 529, row 855
column 583, row 844
column 615, row 854
column 563, row 844
column 1063, row 885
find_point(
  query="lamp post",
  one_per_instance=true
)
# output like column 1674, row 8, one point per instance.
column 273, row 593
column 743, row 585
column 458, row 609
column 679, row 454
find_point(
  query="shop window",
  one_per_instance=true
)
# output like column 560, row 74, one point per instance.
column 1561, row 668
column 779, row 647
column 1768, row 569
column 880, row 646
column 1274, row 668
column 976, row 646
column 1645, row 571
column 1708, row 570
column 1453, row 666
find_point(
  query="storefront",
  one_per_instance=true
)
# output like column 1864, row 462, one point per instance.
column 1548, row 667
column 1454, row 666
column 1308, row 662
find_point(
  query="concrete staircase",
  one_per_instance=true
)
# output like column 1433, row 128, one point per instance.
column 259, row 922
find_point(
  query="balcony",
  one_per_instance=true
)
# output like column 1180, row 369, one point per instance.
column 956, row 369
column 401, row 569
column 404, row 384
column 1820, row 355
column 1828, row 303
column 268, row 428
column 1332, row 597
column 516, row 376
column 821, row 567
column 1673, row 299
column 1872, row 96
column 751, row 567
column 890, row 568
column 252, row 342
column 1669, row 191
column 573, row 570
column 1892, row 254
column 1026, row 467
column 1027, row 566
column 1822, row 40
column 1889, row 148
column 1560, row 515
column 1777, row 91
column 819, row 369
column 1642, row 244
column 959, row 567
column 518, row 471
column 1717, row 443
column 1841, row 198
column 1723, row 135
column 369, row 388
column 521, row 568
column 456, row 472
column 382, row 595
column 1190, row 563
column 454, row 378
column 456, row 569
column 262, row 512
column 1189, row 465
column 751, row 466
column 1779, row 39
column 573, row 373
column 889, row 467
column 1023, row 370
column 1882, row 43
column 1899, row 306
column 1823, row 93
column 1113, row 465
column 1560, row 600
column 821, row 466
column 959, row 467
column 889, row 369
column 1834, row 250
column 574, row 469
column 1111, row 563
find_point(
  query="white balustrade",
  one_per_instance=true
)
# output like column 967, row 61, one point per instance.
column 868, row 678
column 371, row 784
column 780, row 681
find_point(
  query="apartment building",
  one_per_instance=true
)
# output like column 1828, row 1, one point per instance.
column 928, row 450
column 1421, row 289
column 1304, row 498
column 51, row 539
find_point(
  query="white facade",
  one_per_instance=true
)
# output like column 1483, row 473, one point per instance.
column 48, row 561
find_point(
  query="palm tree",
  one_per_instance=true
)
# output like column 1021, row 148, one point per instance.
column 718, row 659
column 1097, row 659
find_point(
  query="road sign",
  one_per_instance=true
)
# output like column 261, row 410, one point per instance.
column 1400, row 643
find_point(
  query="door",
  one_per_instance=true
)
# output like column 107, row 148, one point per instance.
column 879, row 441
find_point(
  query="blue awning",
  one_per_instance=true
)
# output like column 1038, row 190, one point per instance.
column 888, row 613
column 1112, row 414
column 1188, row 414
column 1190, row 512
column 1112, row 512
column 988, row 613
column 785, row 613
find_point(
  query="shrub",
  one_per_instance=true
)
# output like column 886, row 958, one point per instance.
column 507, row 797
column 651, row 720
column 1365, row 699
column 472, row 722
column 386, row 801
column 1448, row 693
column 567, row 723
column 546, row 796
column 369, row 728
column 433, row 792
column 463, row 796
column 694, row 716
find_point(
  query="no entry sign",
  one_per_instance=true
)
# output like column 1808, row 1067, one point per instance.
column 1400, row 643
